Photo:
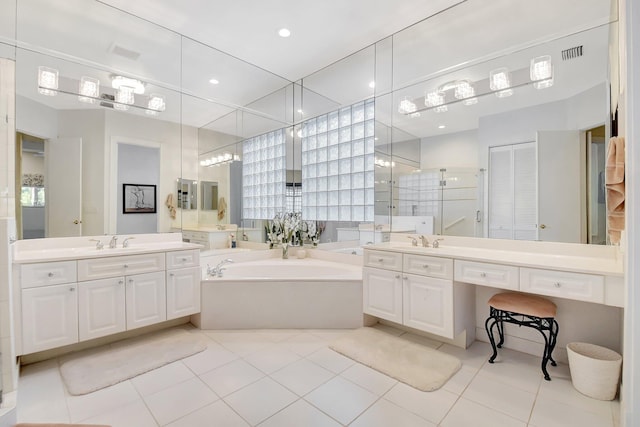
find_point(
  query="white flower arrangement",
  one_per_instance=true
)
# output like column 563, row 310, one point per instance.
column 289, row 229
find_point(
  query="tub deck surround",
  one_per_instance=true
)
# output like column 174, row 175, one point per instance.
column 70, row 248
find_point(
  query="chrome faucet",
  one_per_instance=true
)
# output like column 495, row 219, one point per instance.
column 125, row 242
column 99, row 244
column 425, row 241
column 113, row 242
column 414, row 242
column 436, row 243
column 218, row 269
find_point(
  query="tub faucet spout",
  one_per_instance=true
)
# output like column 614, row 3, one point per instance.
column 218, row 269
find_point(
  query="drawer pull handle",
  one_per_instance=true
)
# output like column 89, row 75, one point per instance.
column 171, row 274
column 50, row 274
column 483, row 274
column 120, row 282
column 557, row 284
column 397, row 276
column 72, row 289
column 405, row 277
column 126, row 266
column 380, row 260
column 183, row 259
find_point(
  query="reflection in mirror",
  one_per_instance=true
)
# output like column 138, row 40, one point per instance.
column 187, row 194
column 209, row 201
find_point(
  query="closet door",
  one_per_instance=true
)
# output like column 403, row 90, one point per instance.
column 513, row 192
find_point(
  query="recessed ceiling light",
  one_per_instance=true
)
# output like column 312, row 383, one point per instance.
column 284, row 32
column 441, row 127
column 214, row 81
column 372, row 84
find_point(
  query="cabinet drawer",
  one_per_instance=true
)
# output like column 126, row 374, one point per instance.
column 182, row 259
column 47, row 273
column 493, row 275
column 383, row 259
column 423, row 265
column 100, row 268
column 194, row 235
column 577, row 286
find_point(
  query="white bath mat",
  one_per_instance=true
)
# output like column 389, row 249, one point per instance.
column 96, row 368
column 411, row 363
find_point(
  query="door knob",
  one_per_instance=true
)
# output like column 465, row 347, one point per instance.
column 76, row 222
column 542, row 226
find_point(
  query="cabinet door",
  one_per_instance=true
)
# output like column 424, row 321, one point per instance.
column 382, row 293
column 145, row 299
column 428, row 304
column 49, row 317
column 183, row 292
column 101, row 308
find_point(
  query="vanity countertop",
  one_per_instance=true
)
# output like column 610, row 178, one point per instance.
column 71, row 248
column 604, row 260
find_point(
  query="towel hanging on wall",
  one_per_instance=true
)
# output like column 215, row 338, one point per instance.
column 614, row 177
column 222, row 208
column 171, row 206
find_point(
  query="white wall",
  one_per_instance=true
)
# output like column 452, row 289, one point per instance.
column 36, row 119
column 451, row 150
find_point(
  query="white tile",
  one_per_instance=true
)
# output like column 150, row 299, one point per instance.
column 298, row 414
column 272, row 358
column 304, row 344
column 101, row 401
column 331, row 360
column 476, row 355
column 551, row 413
column 430, row 405
column 466, row 413
column 161, row 378
column 329, row 335
column 241, row 343
column 372, row 380
column 512, row 401
column 134, row 414
column 384, row 414
column 179, row 400
column 204, row 417
column 516, row 374
column 213, row 357
column 461, row 380
column 562, row 391
column 260, row 400
column 41, row 394
column 302, row 376
column 341, row 399
column 278, row 335
column 231, row 377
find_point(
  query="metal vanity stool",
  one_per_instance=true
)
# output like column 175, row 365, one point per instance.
column 523, row 310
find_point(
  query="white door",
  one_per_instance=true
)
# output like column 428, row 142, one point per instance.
column 183, row 292
column 561, row 171
column 101, row 308
column 428, row 304
column 382, row 293
column 145, row 299
column 49, row 317
column 63, row 187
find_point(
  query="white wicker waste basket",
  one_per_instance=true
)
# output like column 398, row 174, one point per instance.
column 595, row 370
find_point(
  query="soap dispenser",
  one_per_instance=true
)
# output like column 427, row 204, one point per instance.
column 233, row 240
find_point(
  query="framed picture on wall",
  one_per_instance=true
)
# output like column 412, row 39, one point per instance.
column 138, row 198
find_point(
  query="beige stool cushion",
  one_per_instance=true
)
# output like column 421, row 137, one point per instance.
column 531, row 305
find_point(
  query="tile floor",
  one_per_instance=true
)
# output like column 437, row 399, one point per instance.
column 281, row 378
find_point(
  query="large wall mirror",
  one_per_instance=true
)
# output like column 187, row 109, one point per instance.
column 434, row 168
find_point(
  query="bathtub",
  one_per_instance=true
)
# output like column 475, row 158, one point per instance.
column 277, row 293
column 357, row 250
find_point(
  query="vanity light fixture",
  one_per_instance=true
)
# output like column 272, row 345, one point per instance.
column 407, row 106
column 465, row 91
column 500, row 82
column 435, row 99
column 119, row 81
column 88, row 90
column 124, row 97
column 47, row 81
column 155, row 105
column 221, row 159
column 541, row 72
column 284, row 32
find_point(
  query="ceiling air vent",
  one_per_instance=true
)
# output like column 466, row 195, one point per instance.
column 571, row 53
column 124, row 52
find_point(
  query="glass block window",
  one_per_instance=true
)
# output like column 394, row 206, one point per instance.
column 294, row 197
column 263, row 175
column 338, row 164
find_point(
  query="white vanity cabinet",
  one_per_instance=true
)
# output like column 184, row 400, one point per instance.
column 65, row 302
column 418, row 291
column 101, row 308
